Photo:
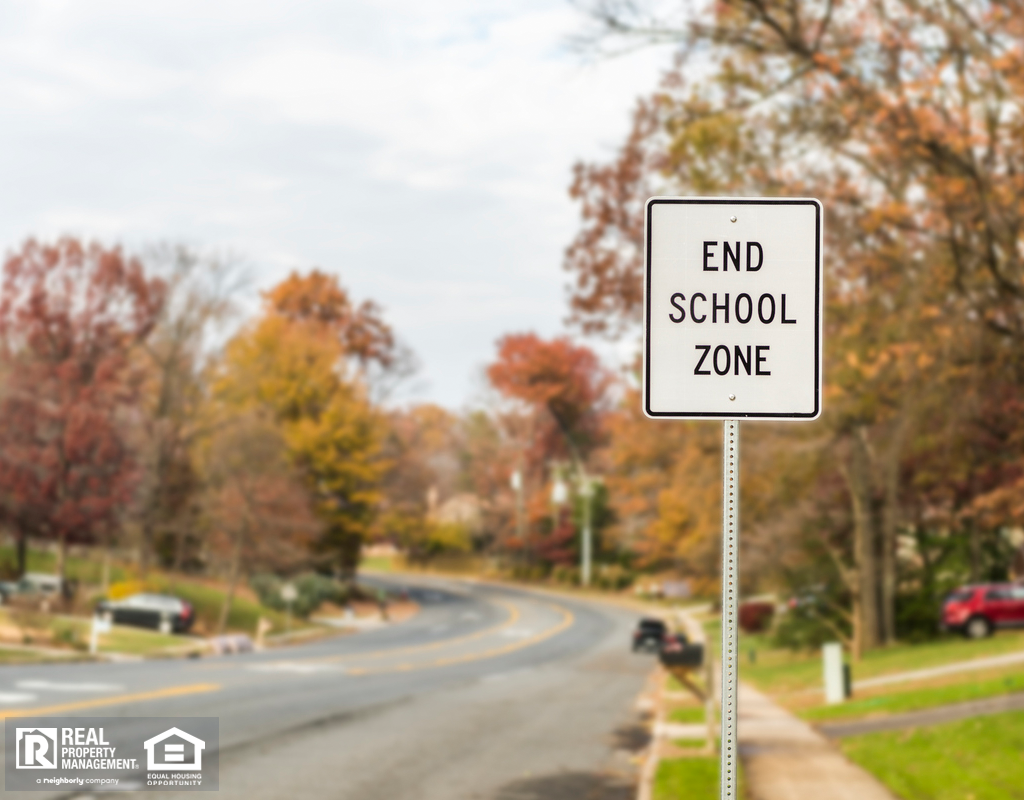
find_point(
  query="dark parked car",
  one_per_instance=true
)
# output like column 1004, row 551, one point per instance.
column 159, row 611
column 649, row 635
column 976, row 611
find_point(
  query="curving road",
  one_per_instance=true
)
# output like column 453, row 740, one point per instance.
column 489, row 692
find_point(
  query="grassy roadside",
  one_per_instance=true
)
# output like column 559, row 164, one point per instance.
column 899, row 700
column 977, row 758
column 687, row 715
column 974, row 759
column 71, row 634
column 776, row 671
column 692, row 778
column 77, row 568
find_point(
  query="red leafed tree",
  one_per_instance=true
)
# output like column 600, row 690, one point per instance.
column 562, row 381
column 564, row 393
column 70, row 315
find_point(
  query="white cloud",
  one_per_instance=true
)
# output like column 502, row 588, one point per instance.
column 422, row 150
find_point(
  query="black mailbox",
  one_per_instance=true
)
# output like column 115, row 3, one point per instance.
column 682, row 655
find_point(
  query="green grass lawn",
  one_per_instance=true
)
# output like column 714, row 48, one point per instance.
column 205, row 599
column 120, row 639
column 378, row 564
column 975, row 759
column 690, row 714
column 82, row 569
column 778, row 671
column 140, row 641
column 694, row 778
column 899, row 702
column 73, row 633
column 691, row 778
column 691, row 743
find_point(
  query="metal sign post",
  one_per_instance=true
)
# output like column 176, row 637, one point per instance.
column 732, row 330
column 730, row 601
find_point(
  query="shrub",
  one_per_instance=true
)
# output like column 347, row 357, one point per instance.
column 803, row 628
column 756, row 617
column 613, row 577
column 68, row 633
column 566, row 575
column 123, row 589
column 312, row 589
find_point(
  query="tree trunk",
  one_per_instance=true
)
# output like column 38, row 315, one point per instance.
column 229, row 596
column 22, row 548
column 179, row 550
column 890, row 524
column 857, row 614
column 351, row 545
column 974, row 543
column 105, row 577
column 62, row 555
column 866, row 597
column 145, row 548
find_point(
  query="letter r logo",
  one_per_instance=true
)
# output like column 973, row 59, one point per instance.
column 36, row 748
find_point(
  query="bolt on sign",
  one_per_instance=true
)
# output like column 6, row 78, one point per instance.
column 733, row 304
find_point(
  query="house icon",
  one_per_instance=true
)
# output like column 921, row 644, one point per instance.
column 162, row 754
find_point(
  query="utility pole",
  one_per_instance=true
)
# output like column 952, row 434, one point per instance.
column 586, row 551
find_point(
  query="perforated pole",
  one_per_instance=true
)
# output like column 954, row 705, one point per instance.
column 730, row 601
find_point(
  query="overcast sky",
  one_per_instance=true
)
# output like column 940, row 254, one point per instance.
column 420, row 150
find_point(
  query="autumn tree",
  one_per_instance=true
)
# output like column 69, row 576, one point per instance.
column 563, row 382
column 562, row 394
column 259, row 510
column 70, row 316
column 369, row 343
column 295, row 366
column 424, row 451
column 905, row 120
column 175, row 355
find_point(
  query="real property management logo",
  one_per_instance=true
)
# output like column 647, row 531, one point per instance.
column 36, row 748
column 112, row 753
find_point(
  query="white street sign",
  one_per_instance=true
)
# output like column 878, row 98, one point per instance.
column 733, row 308
column 289, row 593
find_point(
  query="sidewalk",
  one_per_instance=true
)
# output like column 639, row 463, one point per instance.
column 785, row 759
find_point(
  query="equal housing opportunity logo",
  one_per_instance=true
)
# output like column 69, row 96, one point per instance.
column 119, row 753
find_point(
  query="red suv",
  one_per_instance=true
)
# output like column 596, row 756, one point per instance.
column 976, row 611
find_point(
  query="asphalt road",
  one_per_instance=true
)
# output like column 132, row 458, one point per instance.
column 489, row 693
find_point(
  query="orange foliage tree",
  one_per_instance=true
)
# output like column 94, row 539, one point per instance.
column 293, row 365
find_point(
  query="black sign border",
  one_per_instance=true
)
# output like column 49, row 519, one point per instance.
column 737, row 201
